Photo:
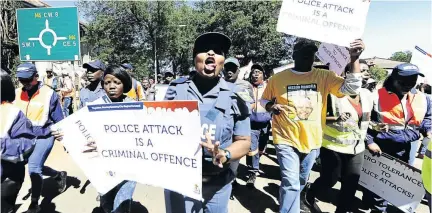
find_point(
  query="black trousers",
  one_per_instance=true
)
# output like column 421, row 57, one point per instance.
column 11, row 181
column 335, row 165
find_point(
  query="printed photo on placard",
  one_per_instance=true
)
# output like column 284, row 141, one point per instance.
column 303, row 102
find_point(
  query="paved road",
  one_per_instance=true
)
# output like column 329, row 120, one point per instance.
column 80, row 199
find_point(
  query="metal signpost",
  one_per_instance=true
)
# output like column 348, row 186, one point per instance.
column 48, row 34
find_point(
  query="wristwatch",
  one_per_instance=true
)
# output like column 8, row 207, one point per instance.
column 227, row 155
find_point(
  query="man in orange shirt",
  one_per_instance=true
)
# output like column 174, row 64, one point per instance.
column 297, row 133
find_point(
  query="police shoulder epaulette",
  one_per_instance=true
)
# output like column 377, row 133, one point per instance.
column 242, row 106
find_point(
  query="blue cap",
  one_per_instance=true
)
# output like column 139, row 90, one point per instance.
column 26, row 70
column 407, row 69
column 232, row 60
column 97, row 64
column 127, row 66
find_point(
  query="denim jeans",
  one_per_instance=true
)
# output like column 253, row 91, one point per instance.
column 215, row 200
column 259, row 139
column 116, row 196
column 67, row 101
column 36, row 165
column 295, row 168
column 413, row 152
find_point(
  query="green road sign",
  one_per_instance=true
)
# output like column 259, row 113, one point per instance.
column 48, row 34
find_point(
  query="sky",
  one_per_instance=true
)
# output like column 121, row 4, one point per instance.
column 391, row 26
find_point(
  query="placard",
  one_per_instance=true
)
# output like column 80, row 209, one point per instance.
column 395, row 181
column 75, row 140
column 155, row 143
column 337, row 22
column 422, row 57
column 337, row 56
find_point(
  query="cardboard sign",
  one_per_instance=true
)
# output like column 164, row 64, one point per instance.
column 75, row 140
column 332, row 21
column 395, row 181
column 155, row 143
column 423, row 59
column 337, row 56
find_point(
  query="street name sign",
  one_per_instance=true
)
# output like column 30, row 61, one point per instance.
column 48, row 34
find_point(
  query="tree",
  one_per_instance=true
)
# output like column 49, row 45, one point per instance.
column 9, row 35
column 379, row 74
column 252, row 27
column 133, row 31
column 401, row 56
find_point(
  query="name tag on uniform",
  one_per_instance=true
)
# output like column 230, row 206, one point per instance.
column 212, row 114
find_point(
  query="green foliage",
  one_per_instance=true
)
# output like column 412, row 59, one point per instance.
column 8, row 35
column 130, row 31
column 401, row 56
column 252, row 27
column 377, row 73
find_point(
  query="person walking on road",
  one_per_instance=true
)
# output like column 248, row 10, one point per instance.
column 169, row 76
column 137, row 91
column 296, row 98
column 400, row 114
column 50, row 80
column 94, row 90
column 343, row 146
column 17, row 142
column 231, row 71
column 260, row 123
column 225, row 125
column 42, row 107
column 67, row 90
column 149, row 90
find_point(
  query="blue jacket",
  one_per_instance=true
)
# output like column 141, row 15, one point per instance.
column 17, row 136
column 55, row 113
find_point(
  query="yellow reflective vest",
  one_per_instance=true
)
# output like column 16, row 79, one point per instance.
column 426, row 169
column 36, row 108
column 137, row 91
column 348, row 137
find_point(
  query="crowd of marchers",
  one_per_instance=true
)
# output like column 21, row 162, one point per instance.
column 310, row 111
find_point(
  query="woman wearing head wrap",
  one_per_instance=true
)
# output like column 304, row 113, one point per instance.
column 225, row 125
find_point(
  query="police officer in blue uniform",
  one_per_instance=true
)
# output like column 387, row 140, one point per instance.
column 94, row 90
column 225, row 125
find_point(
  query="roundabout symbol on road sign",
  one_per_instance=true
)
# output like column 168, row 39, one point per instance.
column 47, row 29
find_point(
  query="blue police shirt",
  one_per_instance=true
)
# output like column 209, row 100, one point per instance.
column 223, row 114
column 86, row 95
column 241, row 120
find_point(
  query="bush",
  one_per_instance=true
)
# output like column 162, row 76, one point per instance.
column 378, row 73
